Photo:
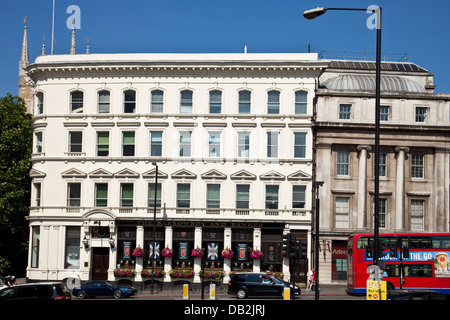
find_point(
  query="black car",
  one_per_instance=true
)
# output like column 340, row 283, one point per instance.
column 258, row 284
column 417, row 295
column 36, row 291
column 103, row 288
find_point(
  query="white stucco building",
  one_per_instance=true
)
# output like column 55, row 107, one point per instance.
column 231, row 137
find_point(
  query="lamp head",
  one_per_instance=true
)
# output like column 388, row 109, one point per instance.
column 314, row 13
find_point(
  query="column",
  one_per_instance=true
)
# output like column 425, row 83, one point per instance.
column 257, row 245
column 285, row 267
column 439, row 222
column 168, row 261
column 324, row 168
column 139, row 260
column 362, row 187
column 112, row 252
column 400, row 189
column 197, row 261
column 226, row 262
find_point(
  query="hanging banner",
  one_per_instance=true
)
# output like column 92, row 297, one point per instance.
column 242, row 252
column 126, row 249
column 156, row 251
column 183, row 251
column 213, row 251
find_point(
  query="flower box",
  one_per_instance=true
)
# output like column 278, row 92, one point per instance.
column 182, row 273
column 124, row 273
column 147, row 273
column 211, row 274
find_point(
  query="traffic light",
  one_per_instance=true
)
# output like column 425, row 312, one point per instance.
column 301, row 250
column 292, row 248
column 285, row 246
column 369, row 252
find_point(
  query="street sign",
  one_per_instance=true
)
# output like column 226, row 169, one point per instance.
column 376, row 290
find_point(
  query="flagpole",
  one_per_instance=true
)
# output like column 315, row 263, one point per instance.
column 53, row 25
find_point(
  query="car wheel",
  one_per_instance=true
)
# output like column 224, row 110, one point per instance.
column 82, row 294
column 241, row 294
column 117, row 294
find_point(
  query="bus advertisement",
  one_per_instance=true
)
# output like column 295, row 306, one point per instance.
column 408, row 261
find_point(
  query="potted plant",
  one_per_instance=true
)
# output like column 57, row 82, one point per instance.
column 256, row 254
column 197, row 253
column 167, row 252
column 138, row 252
column 227, row 253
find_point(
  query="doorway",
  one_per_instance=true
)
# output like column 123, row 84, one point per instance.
column 100, row 263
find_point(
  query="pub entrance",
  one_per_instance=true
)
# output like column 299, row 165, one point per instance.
column 100, row 263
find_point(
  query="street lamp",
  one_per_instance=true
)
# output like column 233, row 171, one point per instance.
column 317, row 185
column 314, row 13
column 154, row 224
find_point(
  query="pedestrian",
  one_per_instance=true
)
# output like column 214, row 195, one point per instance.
column 311, row 278
column 9, row 280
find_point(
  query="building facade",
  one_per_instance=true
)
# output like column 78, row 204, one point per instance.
column 222, row 142
column 414, row 155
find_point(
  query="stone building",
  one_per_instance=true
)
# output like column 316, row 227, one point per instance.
column 223, row 140
column 414, row 155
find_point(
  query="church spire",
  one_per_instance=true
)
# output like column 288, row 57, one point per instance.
column 25, row 83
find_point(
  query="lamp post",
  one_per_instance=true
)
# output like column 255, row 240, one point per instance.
column 317, row 185
column 314, row 13
column 154, row 225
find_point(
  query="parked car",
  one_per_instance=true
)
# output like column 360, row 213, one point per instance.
column 248, row 284
column 103, row 288
column 36, row 291
column 417, row 295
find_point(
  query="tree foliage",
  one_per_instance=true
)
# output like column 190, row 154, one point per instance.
column 16, row 136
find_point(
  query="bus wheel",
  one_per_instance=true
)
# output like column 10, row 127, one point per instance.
column 390, row 287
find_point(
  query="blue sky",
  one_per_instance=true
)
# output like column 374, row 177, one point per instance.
column 418, row 28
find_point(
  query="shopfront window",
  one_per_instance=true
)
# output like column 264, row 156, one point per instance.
column 126, row 242
column 72, row 258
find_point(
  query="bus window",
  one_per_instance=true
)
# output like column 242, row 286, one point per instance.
column 419, row 242
column 392, row 270
column 441, row 242
column 418, row 270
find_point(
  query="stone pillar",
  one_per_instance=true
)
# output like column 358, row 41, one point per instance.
column 440, row 221
column 285, row 268
column 139, row 260
column 257, row 245
column 400, row 189
column 197, row 261
column 168, row 261
column 324, row 167
column 226, row 262
column 362, row 187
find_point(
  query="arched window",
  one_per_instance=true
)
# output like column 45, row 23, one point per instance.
column 157, row 101
column 273, row 102
column 129, row 101
column 215, row 101
column 76, row 101
column 301, row 99
column 103, row 101
column 186, row 101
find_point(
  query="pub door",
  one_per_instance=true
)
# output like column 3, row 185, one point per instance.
column 100, row 263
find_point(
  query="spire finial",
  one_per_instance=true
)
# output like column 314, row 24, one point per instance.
column 43, row 45
column 87, row 45
column 24, row 59
column 72, row 46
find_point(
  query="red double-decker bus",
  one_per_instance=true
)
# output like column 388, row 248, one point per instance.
column 411, row 261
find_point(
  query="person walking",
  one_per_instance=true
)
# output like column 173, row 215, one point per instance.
column 311, row 278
